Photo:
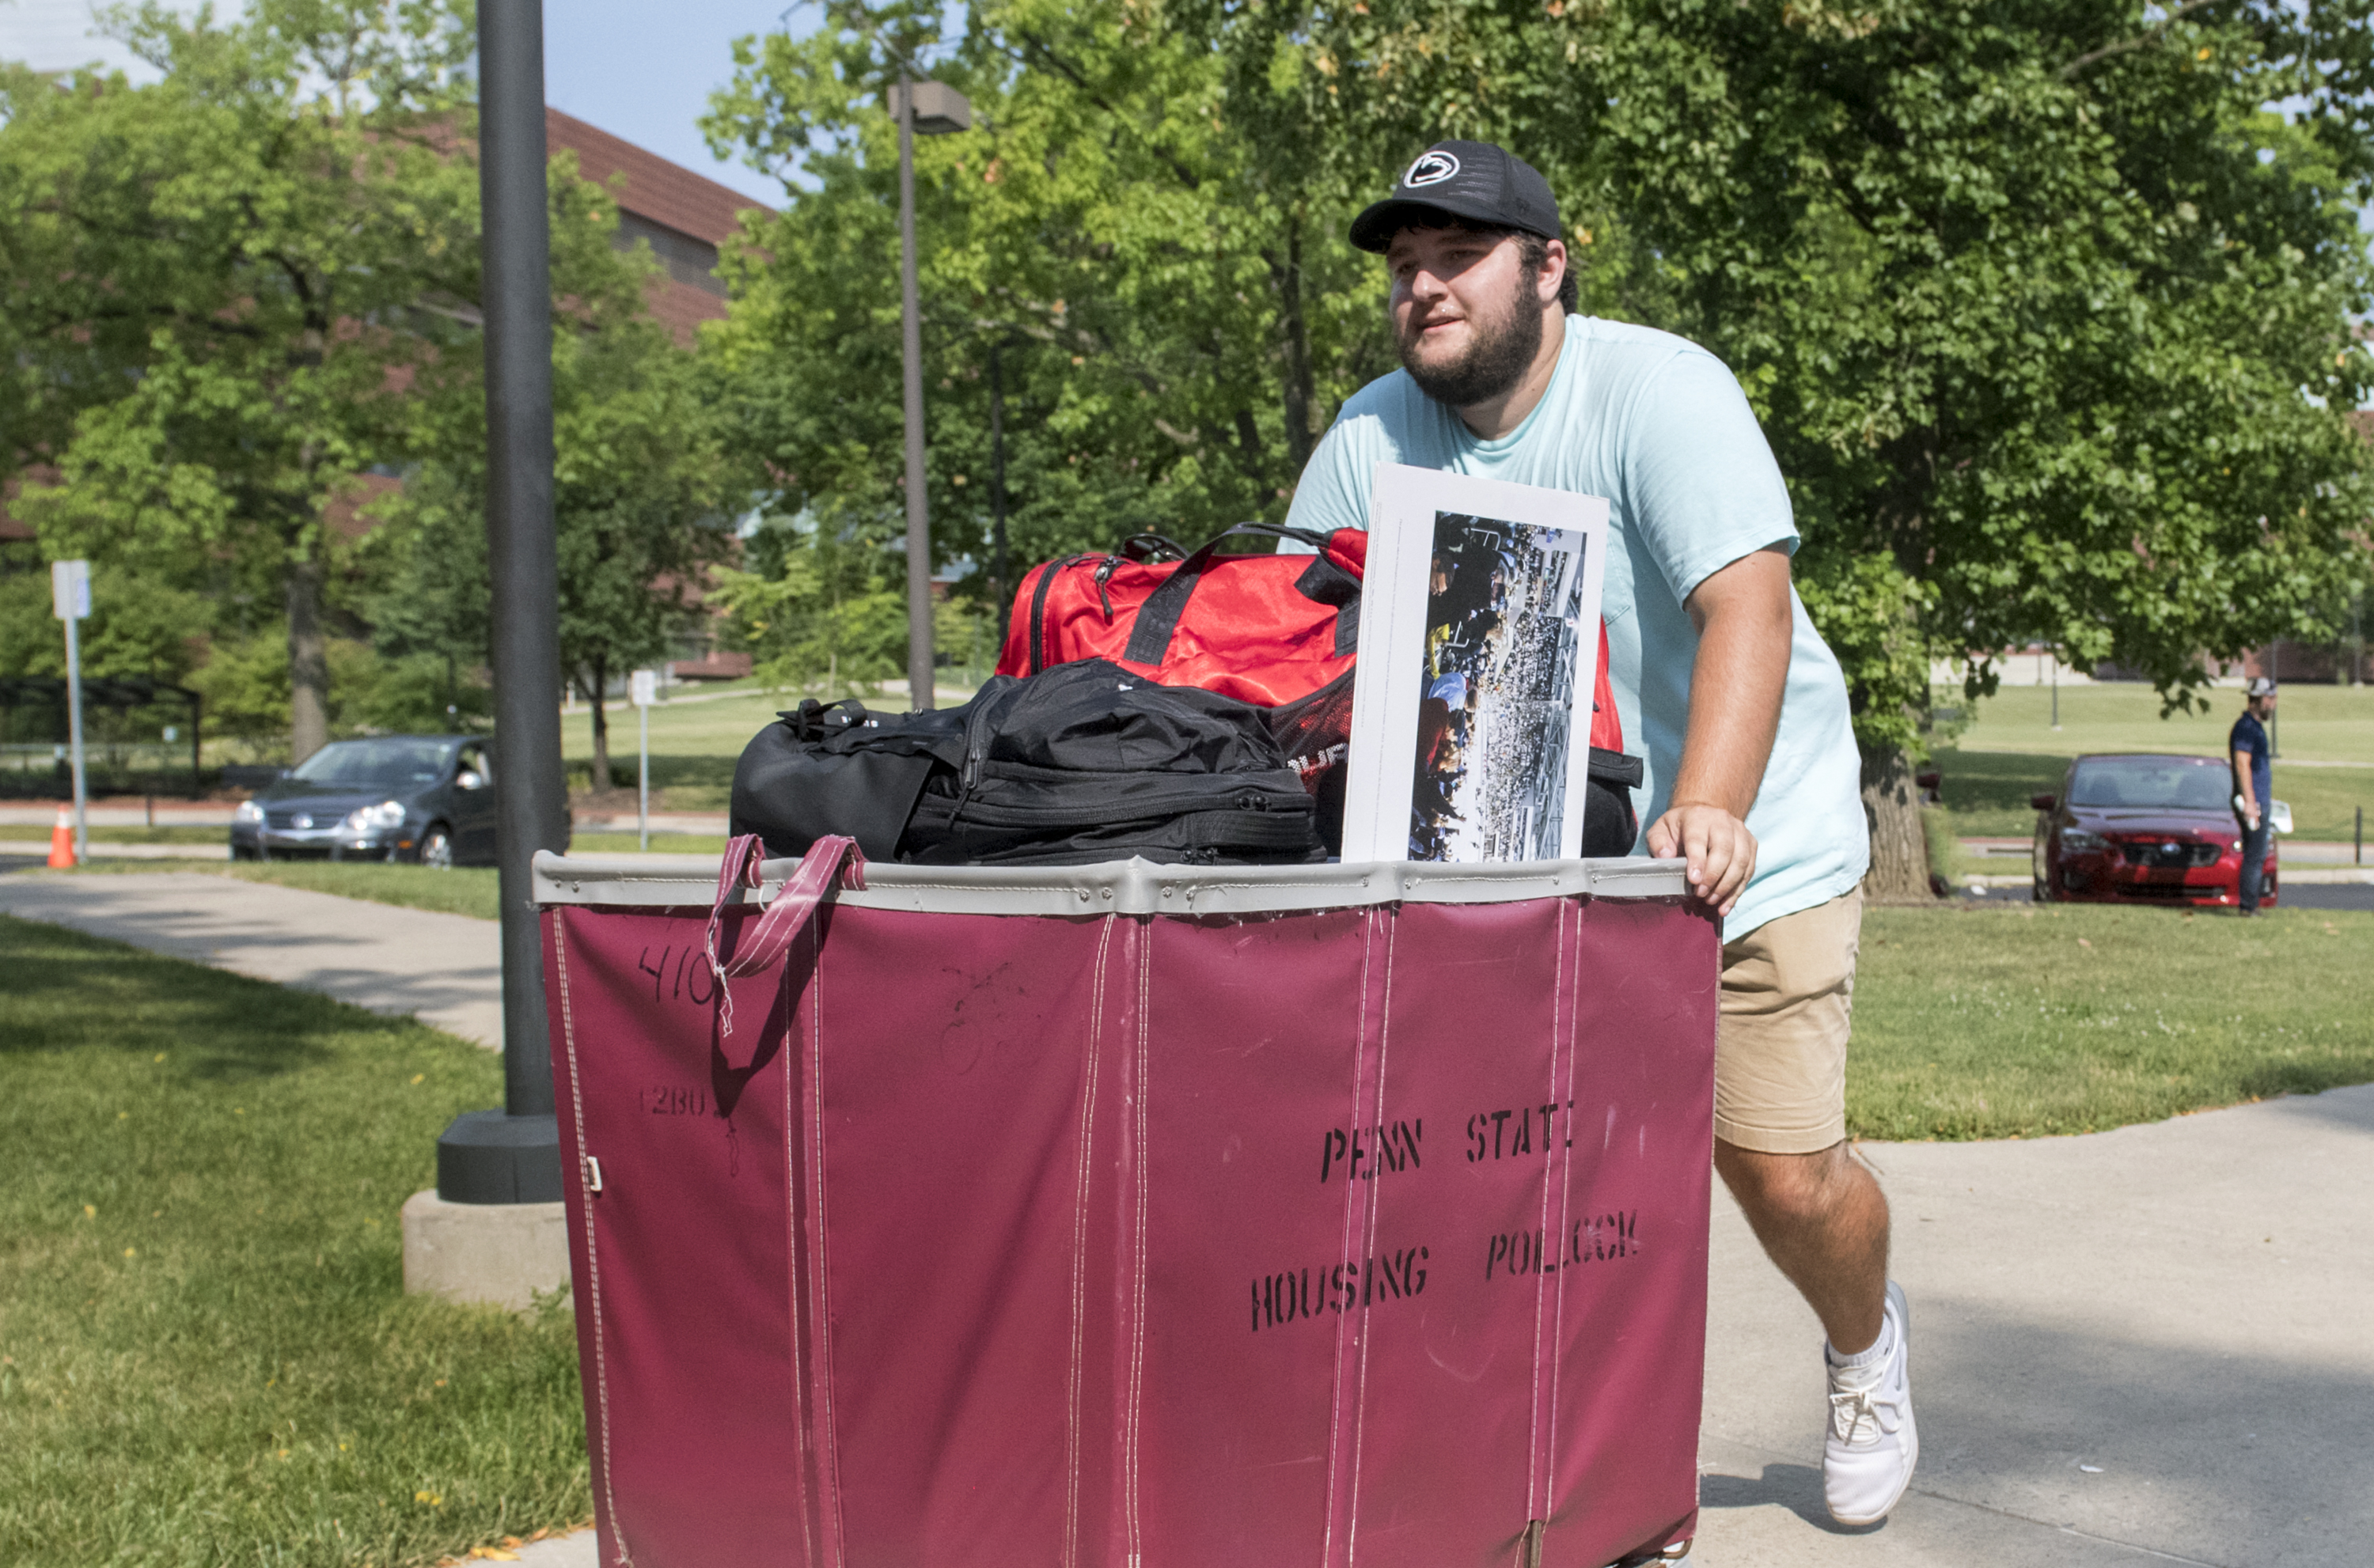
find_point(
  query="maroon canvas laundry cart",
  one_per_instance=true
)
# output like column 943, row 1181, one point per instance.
column 1093, row 1217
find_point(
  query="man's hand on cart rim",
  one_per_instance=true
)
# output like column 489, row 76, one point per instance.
column 1720, row 851
column 1744, row 616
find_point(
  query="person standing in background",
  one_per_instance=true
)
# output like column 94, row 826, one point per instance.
column 2254, row 782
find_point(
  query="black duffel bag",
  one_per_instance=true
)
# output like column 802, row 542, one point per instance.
column 1082, row 762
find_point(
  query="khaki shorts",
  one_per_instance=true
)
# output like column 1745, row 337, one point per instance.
column 1781, row 1047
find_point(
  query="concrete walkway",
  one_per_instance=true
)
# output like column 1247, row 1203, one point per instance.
column 2151, row 1345
column 444, row 969
column 39, row 849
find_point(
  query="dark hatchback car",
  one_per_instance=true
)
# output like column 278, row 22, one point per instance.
column 2143, row 829
column 429, row 799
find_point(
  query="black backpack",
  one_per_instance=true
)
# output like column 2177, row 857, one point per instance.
column 1079, row 763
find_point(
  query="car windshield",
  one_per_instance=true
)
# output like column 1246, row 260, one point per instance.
column 376, row 761
column 2176, row 783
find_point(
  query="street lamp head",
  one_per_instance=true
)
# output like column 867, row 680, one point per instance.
column 939, row 107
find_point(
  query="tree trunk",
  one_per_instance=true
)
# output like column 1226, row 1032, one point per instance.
column 309, row 662
column 601, row 724
column 1294, row 373
column 1900, row 853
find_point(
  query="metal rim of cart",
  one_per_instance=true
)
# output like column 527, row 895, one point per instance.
column 1125, row 887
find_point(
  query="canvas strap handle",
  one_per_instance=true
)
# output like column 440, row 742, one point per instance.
column 831, row 862
column 1149, row 635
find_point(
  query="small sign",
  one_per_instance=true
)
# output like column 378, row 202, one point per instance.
column 70, row 590
column 643, row 688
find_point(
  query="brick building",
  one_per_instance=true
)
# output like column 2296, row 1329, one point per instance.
column 684, row 216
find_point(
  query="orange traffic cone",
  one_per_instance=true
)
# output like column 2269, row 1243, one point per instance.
column 62, row 855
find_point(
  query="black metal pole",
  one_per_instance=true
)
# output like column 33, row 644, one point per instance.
column 997, row 493
column 512, row 1156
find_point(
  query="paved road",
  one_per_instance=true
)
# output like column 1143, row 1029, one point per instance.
column 444, row 969
column 2135, row 1347
column 2296, row 895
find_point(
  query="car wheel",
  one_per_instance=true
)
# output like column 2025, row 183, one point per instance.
column 437, row 848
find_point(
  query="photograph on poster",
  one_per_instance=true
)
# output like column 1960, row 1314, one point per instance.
column 1496, row 725
column 1479, row 647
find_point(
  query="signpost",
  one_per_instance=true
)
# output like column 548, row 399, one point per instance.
column 70, row 599
column 643, row 689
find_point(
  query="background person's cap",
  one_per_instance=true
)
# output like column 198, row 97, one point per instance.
column 1471, row 179
column 2261, row 686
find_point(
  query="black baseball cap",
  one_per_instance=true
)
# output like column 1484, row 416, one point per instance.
column 1474, row 180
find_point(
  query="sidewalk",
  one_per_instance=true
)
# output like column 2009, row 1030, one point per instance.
column 2137, row 1347
column 444, row 969
column 168, row 814
column 2179, row 1305
column 36, row 850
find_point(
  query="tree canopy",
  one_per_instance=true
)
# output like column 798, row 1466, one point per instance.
column 1174, row 314
column 233, row 291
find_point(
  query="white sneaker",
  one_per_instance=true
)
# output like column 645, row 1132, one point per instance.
column 1868, row 1456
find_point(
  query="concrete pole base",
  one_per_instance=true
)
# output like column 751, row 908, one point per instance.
column 492, row 1254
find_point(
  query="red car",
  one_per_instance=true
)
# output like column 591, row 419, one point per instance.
column 2143, row 829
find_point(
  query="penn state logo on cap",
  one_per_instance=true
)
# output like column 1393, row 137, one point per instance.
column 1474, row 182
column 1432, row 168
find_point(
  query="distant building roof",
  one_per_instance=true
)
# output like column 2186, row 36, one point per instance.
column 684, row 216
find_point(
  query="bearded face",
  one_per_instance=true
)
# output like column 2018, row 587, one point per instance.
column 1466, row 313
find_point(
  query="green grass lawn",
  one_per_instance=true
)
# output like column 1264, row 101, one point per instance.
column 2010, row 1021
column 2322, row 723
column 2011, row 750
column 694, row 745
column 662, row 844
column 207, row 1355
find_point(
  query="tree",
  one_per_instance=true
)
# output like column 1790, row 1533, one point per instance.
column 636, row 501
column 224, row 275
column 639, row 503
column 2046, row 311
column 232, row 290
column 1174, row 319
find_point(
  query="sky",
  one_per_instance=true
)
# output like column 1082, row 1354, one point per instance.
column 637, row 70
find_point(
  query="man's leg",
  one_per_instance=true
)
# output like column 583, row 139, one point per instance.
column 1823, row 1221
column 1781, row 1146
column 2254, row 860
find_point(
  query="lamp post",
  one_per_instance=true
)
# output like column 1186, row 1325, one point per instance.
column 513, row 1156
column 997, row 492
column 923, row 109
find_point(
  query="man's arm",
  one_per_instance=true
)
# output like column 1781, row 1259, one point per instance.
column 1742, row 612
column 2243, row 766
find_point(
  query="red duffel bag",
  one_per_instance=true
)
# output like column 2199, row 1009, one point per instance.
column 1118, row 1216
column 1279, row 631
column 1265, row 629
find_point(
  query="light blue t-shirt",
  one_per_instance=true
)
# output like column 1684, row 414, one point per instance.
column 1657, row 426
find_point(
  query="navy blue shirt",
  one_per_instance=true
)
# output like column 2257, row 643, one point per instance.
column 2250, row 736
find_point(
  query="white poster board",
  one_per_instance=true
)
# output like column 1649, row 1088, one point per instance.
column 1479, row 650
